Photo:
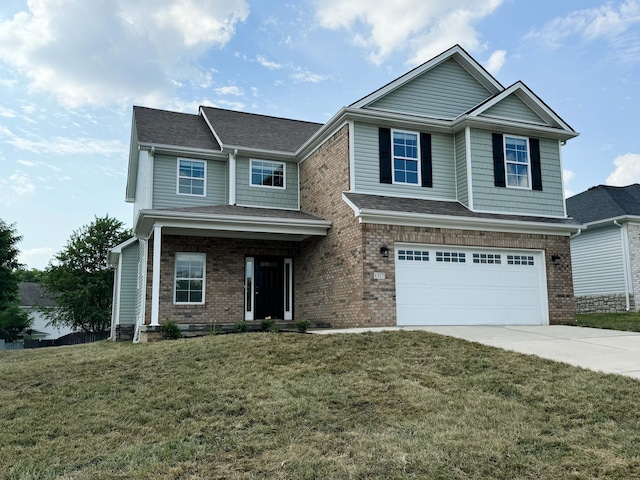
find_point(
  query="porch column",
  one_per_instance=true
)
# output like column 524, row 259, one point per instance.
column 155, row 282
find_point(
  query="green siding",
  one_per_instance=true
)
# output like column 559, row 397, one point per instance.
column 513, row 108
column 128, row 284
column 165, row 173
column 445, row 91
column 461, row 168
column 487, row 197
column 367, row 167
column 265, row 196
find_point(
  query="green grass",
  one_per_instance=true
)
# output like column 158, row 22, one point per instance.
column 390, row 405
column 612, row 321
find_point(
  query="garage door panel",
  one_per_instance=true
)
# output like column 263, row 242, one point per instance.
column 499, row 291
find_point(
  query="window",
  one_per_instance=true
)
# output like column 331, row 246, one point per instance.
column 487, row 258
column 191, row 177
column 516, row 155
column 406, row 164
column 267, row 174
column 413, row 255
column 520, row 260
column 450, row 257
column 190, row 278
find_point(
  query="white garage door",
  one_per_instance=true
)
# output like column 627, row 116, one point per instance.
column 444, row 285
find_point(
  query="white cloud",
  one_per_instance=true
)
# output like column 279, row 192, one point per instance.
column 36, row 257
column 608, row 21
column 265, row 62
column 567, row 176
column 7, row 112
column 423, row 27
column 69, row 146
column 112, row 51
column 627, row 170
column 15, row 186
column 496, row 61
column 230, row 90
column 305, row 76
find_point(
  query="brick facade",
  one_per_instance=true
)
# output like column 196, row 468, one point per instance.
column 633, row 236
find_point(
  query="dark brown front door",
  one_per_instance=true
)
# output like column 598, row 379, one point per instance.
column 269, row 287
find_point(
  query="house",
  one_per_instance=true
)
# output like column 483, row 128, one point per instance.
column 436, row 199
column 606, row 254
column 33, row 298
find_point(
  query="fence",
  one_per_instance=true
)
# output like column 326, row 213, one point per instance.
column 10, row 345
column 69, row 339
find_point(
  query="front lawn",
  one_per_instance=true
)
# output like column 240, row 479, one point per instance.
column 613, row 321
column 390, row 405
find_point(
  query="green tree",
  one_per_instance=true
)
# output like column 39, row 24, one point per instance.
column 14, row 322
column 79, row 278
column 30, row 275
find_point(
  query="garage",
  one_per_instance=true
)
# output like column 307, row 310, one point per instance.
column 447, row 285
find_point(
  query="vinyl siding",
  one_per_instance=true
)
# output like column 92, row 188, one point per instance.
column 445, row 91
column 367, row 167
column 487, row 197
column 597, row 262
column 143, row 184
column 461, row 168
column 128, row 285
column 265, row 196
column 513, row 108
column 165, row 173
column 140, row 283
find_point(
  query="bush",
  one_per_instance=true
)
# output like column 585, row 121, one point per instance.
column 240, row 327
column 302, row 325
column 269, row 325
column 170, row 331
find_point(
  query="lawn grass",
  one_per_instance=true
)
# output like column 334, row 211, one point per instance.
column 613, row 321
column 389, row 405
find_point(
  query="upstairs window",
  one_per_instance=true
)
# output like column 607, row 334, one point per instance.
column 267, row 174
column 406, row 158
column 191, row 177
column 516, row 157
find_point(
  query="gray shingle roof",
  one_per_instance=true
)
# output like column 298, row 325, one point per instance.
column 602, row 202
column 259, row 131
column 438, row 207
column 32, row 294
column 245, row 212
column 173, row 128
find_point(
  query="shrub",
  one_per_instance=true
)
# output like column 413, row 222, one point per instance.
column 302, row 325
column 240, row 327
column 170, row 331
column 269, row 325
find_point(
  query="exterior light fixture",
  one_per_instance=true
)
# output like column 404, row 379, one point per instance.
column 384, row 251
column 555, row 258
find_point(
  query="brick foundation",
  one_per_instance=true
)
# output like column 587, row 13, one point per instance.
column 124, row 333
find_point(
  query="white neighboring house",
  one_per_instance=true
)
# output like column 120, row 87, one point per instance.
column 32, row 298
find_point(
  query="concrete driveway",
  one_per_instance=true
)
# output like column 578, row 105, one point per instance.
column 608, row 351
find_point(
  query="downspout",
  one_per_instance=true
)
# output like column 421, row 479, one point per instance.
column 625, row 261
column 577, row 234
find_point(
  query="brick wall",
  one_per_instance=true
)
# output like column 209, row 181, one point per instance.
column 612, row 303
column 633, row 235
column 329, row 279
column 224, row 289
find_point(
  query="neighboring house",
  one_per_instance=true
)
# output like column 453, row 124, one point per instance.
column 33, row 298
column 436, row 199
column 606, row 254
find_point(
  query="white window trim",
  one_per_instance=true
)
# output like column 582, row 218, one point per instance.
column 288, row 289
column 204, row 277
column 248, row 313
column 284, row 174
column 418, row 159
column 204, row 189
column 504, row 153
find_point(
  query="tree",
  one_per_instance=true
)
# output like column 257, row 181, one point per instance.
column 31, row 275
column 79, row 278
column 14, row 322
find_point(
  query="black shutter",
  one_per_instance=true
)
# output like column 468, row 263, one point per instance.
column 426, row 161
column 498, row 161
column 384, row 141
column 536, row 170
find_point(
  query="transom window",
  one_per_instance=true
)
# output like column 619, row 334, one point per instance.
column 413, row 255
column 406, row 166
column 516, row 155
column 191, row 177
column 452, row 257
column 189, row 278
column 520, row 260
column 267, row 174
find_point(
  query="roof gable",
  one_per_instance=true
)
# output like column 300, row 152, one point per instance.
column 512, row 108
column 444, row 87
column 261, row 132
column 605, row 202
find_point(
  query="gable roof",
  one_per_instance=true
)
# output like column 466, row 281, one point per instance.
column 605, row 202
column 32, row 294
column 253, row 131
column 162, row 127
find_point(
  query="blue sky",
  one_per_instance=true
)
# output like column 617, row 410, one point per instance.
column 70, row 71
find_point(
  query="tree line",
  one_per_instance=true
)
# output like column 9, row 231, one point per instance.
column 78, row 279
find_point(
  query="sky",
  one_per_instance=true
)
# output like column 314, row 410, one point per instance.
column 71, row 70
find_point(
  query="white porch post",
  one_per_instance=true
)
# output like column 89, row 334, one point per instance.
column 155, row 286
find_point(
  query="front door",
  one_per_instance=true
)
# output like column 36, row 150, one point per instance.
column 269, row 287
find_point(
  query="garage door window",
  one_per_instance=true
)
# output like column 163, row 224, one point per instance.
column 413, row 255
column 490, row 258
column 520, row 260
column 452, row 257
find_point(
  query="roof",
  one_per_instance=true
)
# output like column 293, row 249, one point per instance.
column 603, row 202
column 32, row 294
column 250, row 130
column 162, row 127
column 442, row 208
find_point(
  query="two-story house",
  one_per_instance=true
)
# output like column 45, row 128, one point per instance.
column 437, row 199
